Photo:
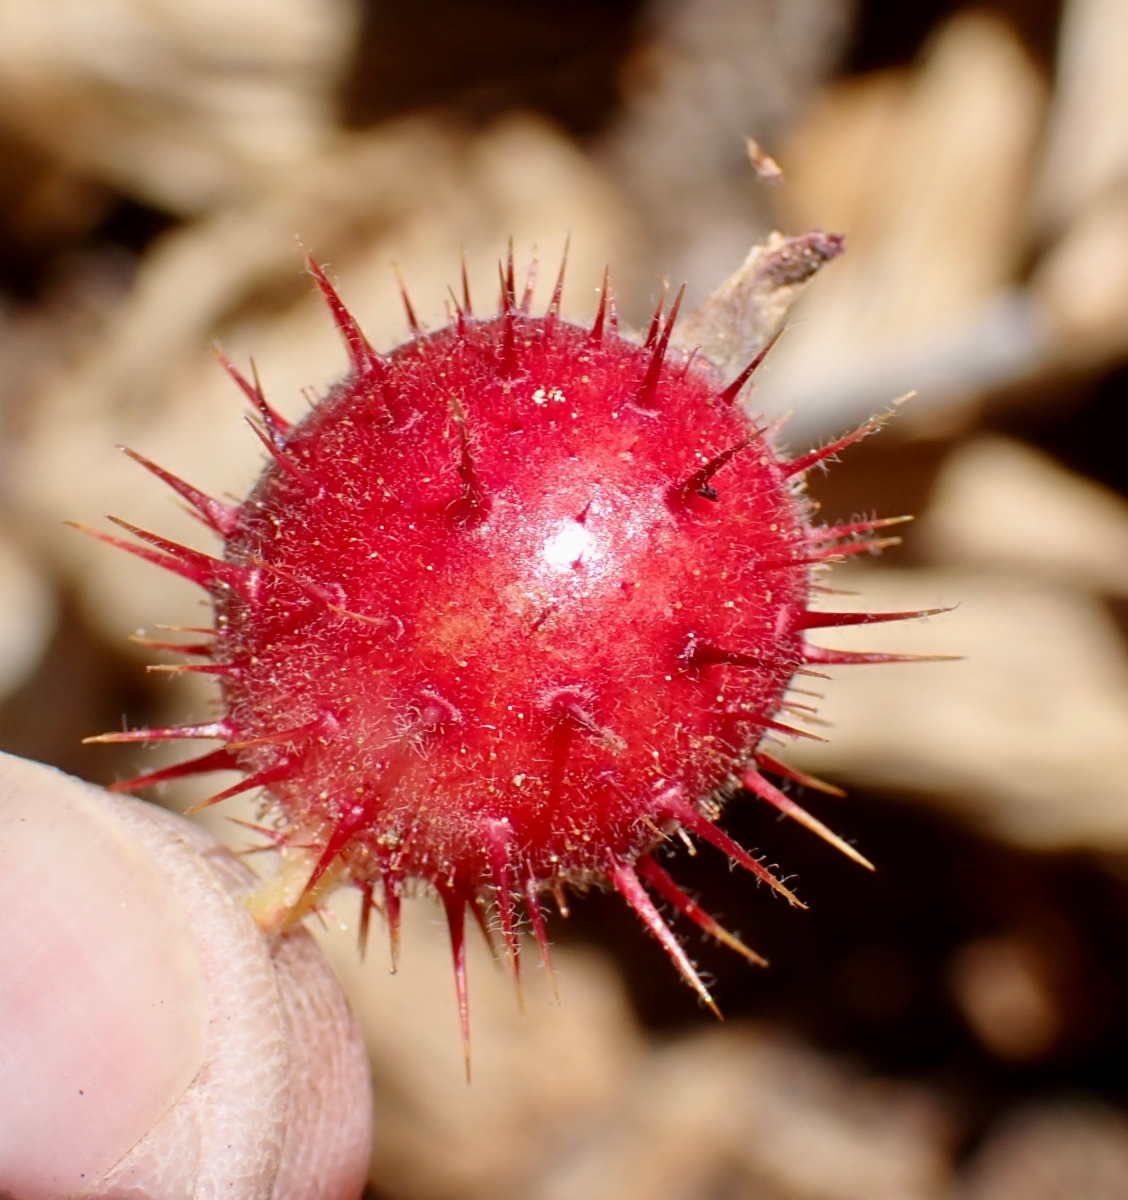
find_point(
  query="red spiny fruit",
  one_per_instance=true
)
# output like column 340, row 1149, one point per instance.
column 509, row 607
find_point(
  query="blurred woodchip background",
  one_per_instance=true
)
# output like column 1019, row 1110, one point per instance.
column 956, row 1026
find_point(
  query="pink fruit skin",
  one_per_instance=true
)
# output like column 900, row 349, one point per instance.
column 509, row 607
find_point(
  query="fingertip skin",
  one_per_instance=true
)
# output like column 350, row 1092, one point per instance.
column 273, row 1100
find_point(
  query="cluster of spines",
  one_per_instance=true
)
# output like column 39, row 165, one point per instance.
column 674, row 810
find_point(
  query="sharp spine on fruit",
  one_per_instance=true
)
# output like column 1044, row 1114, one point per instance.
column 530, row 284
column 285, row 460
column 214, row 729
column 561, row 901
column 729, row 395
column 225, row 670
column 648, row 389
column 508, row 361
column 217, row 760
column 656, row 320
column 774, row 765
column 605, row 317
column 473, row 504
column 673, row 805
column 222, row 518
column 630, row 888
column 278, row 425
column 192, row 649
column 536, row 920
column 797, row 466
column 567, row 705
column 790, row 731
column 320, row 595
column 754, row 782
column 209, row 573
column 364, row 359
column 509, row 281
column 263, row 778
column 347, row 823
column 392, row 911
column 661, row 882
column 325, row 723
column 498, row 836
column 702, row 654
column 831, row 533
column 846, row 658
column 811, row 619
column 454, row 902
column 408, row 308
column 467, row 305
column 481, row 917
column 367, row 904
column 835, row 553
column 698, row 483
column 552, row 316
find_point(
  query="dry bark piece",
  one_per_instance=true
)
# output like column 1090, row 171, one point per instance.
column 738, row 320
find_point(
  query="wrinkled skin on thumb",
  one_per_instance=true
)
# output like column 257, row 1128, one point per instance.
column 153, row 1042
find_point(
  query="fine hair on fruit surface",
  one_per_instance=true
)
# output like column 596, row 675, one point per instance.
column 516, row 608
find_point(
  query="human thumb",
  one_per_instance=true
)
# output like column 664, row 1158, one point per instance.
column 153, row 1043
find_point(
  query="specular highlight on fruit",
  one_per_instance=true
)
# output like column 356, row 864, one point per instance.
column 513, row 605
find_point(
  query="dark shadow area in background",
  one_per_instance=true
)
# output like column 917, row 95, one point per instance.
column 485, row 57
column 865, row 972
column 1088, row 433
column 891, row 33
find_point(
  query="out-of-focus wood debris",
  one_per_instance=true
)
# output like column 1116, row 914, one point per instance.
column 984, row 206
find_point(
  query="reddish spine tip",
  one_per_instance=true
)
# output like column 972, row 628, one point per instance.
column 656, row 320
column 628, row 885
column 536, row 919
column 648, row 389
column 605, row 313
column 364, row 359
column 222, row 518
column 811, row 619
column 408, row 308
column 214, row 729
column 498, row 837
column 729, row 395
column 467, row 304
column 661, row 882
column 754, row 782
column 677, row 808
column 392, row 911
column 553, row 313
column 217, row 760
column 530, row 285
column 454, row 902
column 279, row 427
